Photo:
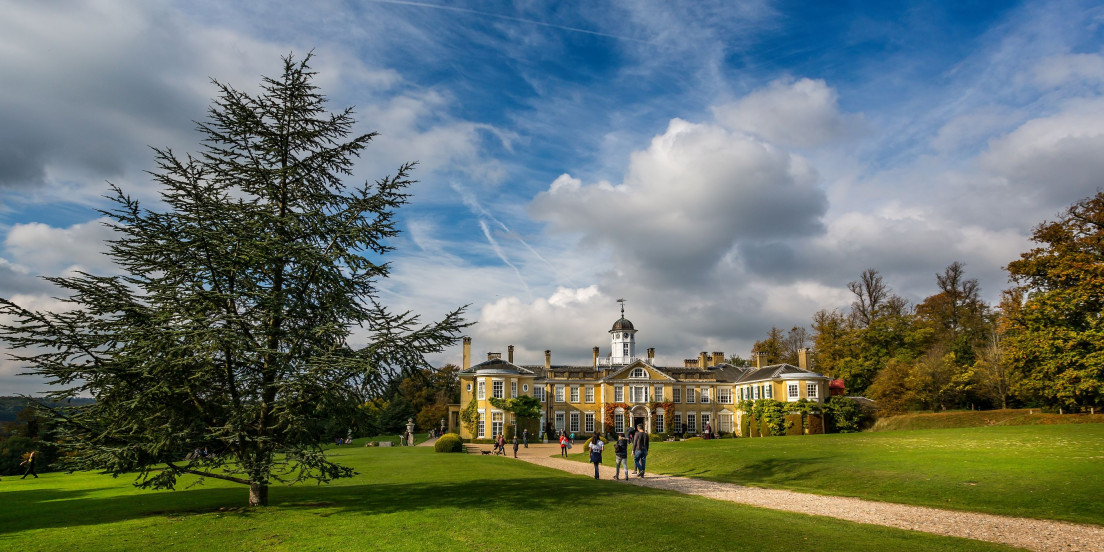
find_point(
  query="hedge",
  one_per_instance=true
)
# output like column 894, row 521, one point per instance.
column 449, row 442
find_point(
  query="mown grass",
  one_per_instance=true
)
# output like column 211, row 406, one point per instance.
column 415, row 499
column 981, row 418
column 1048, row 472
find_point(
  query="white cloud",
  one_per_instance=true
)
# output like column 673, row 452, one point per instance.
column 1066, row 69
column 801, row 113
column 1056, row 157
column 47, row 250
column 687, row 199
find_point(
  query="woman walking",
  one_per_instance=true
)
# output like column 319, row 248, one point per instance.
column 596, row 448
column 30, row 463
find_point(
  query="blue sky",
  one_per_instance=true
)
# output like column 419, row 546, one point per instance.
column 723, row 166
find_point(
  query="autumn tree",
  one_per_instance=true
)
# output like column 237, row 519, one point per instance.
column 231, row 323
column 871, row 293
column 772, row 348
column 1055, row 341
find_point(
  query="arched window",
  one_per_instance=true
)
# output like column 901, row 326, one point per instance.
column 638, row 373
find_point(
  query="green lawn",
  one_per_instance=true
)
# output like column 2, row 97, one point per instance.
column 1049, row 472
column 415, row 499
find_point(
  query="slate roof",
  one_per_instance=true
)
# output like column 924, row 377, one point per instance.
column 775, row 371
column 497, row 365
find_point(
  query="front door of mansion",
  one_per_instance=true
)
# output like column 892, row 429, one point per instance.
column 638, row 421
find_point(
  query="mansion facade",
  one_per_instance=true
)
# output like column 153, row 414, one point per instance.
column 624, row 390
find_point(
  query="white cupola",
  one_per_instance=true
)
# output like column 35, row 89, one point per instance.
column 622, row 339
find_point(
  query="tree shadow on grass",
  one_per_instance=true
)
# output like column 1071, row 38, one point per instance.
column 771, row 471
column 51, row 508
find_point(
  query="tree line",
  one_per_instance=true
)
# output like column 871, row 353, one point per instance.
column 1040, row 345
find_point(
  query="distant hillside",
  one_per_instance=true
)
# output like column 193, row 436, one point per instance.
column 981, row 418
column 10, row 407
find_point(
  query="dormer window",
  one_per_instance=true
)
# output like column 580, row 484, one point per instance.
column 638, row 373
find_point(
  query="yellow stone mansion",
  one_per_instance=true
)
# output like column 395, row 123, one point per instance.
column 624, row 390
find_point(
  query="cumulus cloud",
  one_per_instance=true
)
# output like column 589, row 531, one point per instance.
column 791, row 113
column 687, row 199
column 1057, row 157
column 47, row 250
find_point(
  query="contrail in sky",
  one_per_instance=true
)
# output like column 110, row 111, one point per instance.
column 508, row 18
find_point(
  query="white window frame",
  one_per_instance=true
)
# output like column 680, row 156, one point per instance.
column 724, row 422
column 498, row 389
column 588, row 422
column 659, row 393
column 574, row 394
column 690, row 399
column 498, row 423
column 589, row 394
column 638, row 372
column 480, row 423
column 618, row 393
column 659, row 423
column 560, row 420
column 573, row 422
column 703, row 395
column 638, row 394
column 676, row 395
column 793, row 391
column 619, row 422
column 724, row 395
column 812, row 390
column 691, row 423
column 513, row 389
column 677, row 426
column 560, row 392
column 706, row 419
column 538, row 392
column 482, row 385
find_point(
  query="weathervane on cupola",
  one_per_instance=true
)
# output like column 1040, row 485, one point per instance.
column 622, row 339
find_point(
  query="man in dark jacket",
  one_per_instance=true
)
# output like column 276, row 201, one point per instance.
column 640, row 449
column 621, row 452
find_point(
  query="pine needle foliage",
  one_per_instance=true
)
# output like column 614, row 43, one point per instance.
column 228, row 327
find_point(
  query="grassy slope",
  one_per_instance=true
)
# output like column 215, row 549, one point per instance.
column 981, row 418
column 1050, row 472
column 415, row 499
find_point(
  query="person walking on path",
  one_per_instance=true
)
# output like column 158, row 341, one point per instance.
column 640, row 449
column 525, row 437
column 621, row 453
column 515, row 446
column 563, row 445
column 596, row 448
column 30, row 463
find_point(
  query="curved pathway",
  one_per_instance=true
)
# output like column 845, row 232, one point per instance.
column 1033, row 534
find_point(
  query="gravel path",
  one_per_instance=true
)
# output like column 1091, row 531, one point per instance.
column 1032, row 534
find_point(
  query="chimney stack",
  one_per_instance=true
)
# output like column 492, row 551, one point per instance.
column 703, row 360
column 718, row 358
column 494, row 356
column 595, row 354
column 803, row 358
column 467, row 353
column 510, row 354
column 758, row 359
column 651, row 354
column 547, row 359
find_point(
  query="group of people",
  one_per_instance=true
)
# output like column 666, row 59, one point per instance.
column 500, row 444
column 637, row 437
